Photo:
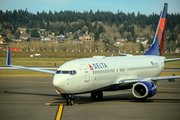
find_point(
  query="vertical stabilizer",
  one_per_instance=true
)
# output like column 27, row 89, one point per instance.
column 157, row 47
column 8, row 62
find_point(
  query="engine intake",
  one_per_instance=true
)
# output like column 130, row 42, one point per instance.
column 144, row 89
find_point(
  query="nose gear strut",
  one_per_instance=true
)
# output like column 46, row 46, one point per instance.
column 69, row 99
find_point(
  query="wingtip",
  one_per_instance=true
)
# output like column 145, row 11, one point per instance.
column 8, row 62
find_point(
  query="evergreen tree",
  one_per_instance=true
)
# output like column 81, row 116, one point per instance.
column 96, row 35
column 141, row 48
column 48, row 26
column 8, row 40
column 17, row 34
column 101, row 29
column 35, row 33
column 76, row 36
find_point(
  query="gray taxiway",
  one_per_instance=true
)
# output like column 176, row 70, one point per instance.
column 35, row 99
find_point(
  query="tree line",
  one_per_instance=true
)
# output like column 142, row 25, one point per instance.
column 24, row 18
column 113, row 25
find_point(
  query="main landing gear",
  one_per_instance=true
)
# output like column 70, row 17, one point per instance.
column 98, row 94
column 69, row 99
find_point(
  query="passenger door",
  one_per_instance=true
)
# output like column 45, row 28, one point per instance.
column 86, row 70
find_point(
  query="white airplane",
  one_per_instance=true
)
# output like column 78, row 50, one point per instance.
column 99, row 73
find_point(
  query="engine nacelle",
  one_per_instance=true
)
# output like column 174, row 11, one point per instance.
column 144, row 89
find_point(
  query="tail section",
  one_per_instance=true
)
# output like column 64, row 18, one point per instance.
column 157, row 47
column 8, row 62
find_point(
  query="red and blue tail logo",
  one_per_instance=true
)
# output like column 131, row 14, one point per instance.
column 157, row 47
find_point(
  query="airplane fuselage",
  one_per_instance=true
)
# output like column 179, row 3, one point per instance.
column 91, row 74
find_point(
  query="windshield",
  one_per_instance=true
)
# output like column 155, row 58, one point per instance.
column 72, row 72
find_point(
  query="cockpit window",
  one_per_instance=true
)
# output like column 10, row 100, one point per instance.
column 65, row 72
column 72, row 72
column 58, row 72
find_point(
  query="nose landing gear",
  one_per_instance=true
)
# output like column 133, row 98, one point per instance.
column 69, row 99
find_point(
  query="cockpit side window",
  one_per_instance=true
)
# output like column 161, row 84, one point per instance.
column 73, row 72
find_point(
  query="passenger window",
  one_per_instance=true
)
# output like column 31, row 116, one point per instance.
column 58, row 72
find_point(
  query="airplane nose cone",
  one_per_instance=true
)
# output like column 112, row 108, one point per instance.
column 56, row 81
column 59, row 83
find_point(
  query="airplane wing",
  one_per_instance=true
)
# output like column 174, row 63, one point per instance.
column 34, row 69
column 172, row 59
column 132, row 81
column 165, row 78
column 8, row 63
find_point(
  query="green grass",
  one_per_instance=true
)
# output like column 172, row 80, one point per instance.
column 169, row 73
column 53, row 54
column 23, row 73
column 35, row 61
column 173, row 64
column 22, row 58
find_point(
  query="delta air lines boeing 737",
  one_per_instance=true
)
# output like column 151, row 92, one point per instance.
column 99, row 73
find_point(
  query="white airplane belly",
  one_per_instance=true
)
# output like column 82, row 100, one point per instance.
column 102, row 81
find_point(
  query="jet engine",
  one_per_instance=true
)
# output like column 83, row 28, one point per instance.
column 144, row 89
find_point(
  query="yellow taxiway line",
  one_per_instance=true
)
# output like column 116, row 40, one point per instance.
column 59, row 112
column 55, row 104
column 60, row 109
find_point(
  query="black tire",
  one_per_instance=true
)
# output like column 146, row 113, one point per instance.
column 67, row 102
column 100, row 95
column 93, row 95
column 141, row 99
column 71, row 102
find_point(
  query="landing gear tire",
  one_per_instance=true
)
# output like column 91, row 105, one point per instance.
column 69, row 100
column 98, row 94
column 93, row 95
column 141, row 99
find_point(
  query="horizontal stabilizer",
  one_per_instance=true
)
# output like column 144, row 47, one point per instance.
column 172, row 59
column 123, row 54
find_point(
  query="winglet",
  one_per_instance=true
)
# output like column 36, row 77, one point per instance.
column 158, row 43
column 8, row 62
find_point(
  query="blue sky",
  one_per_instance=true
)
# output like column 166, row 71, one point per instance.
column 144, row 6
